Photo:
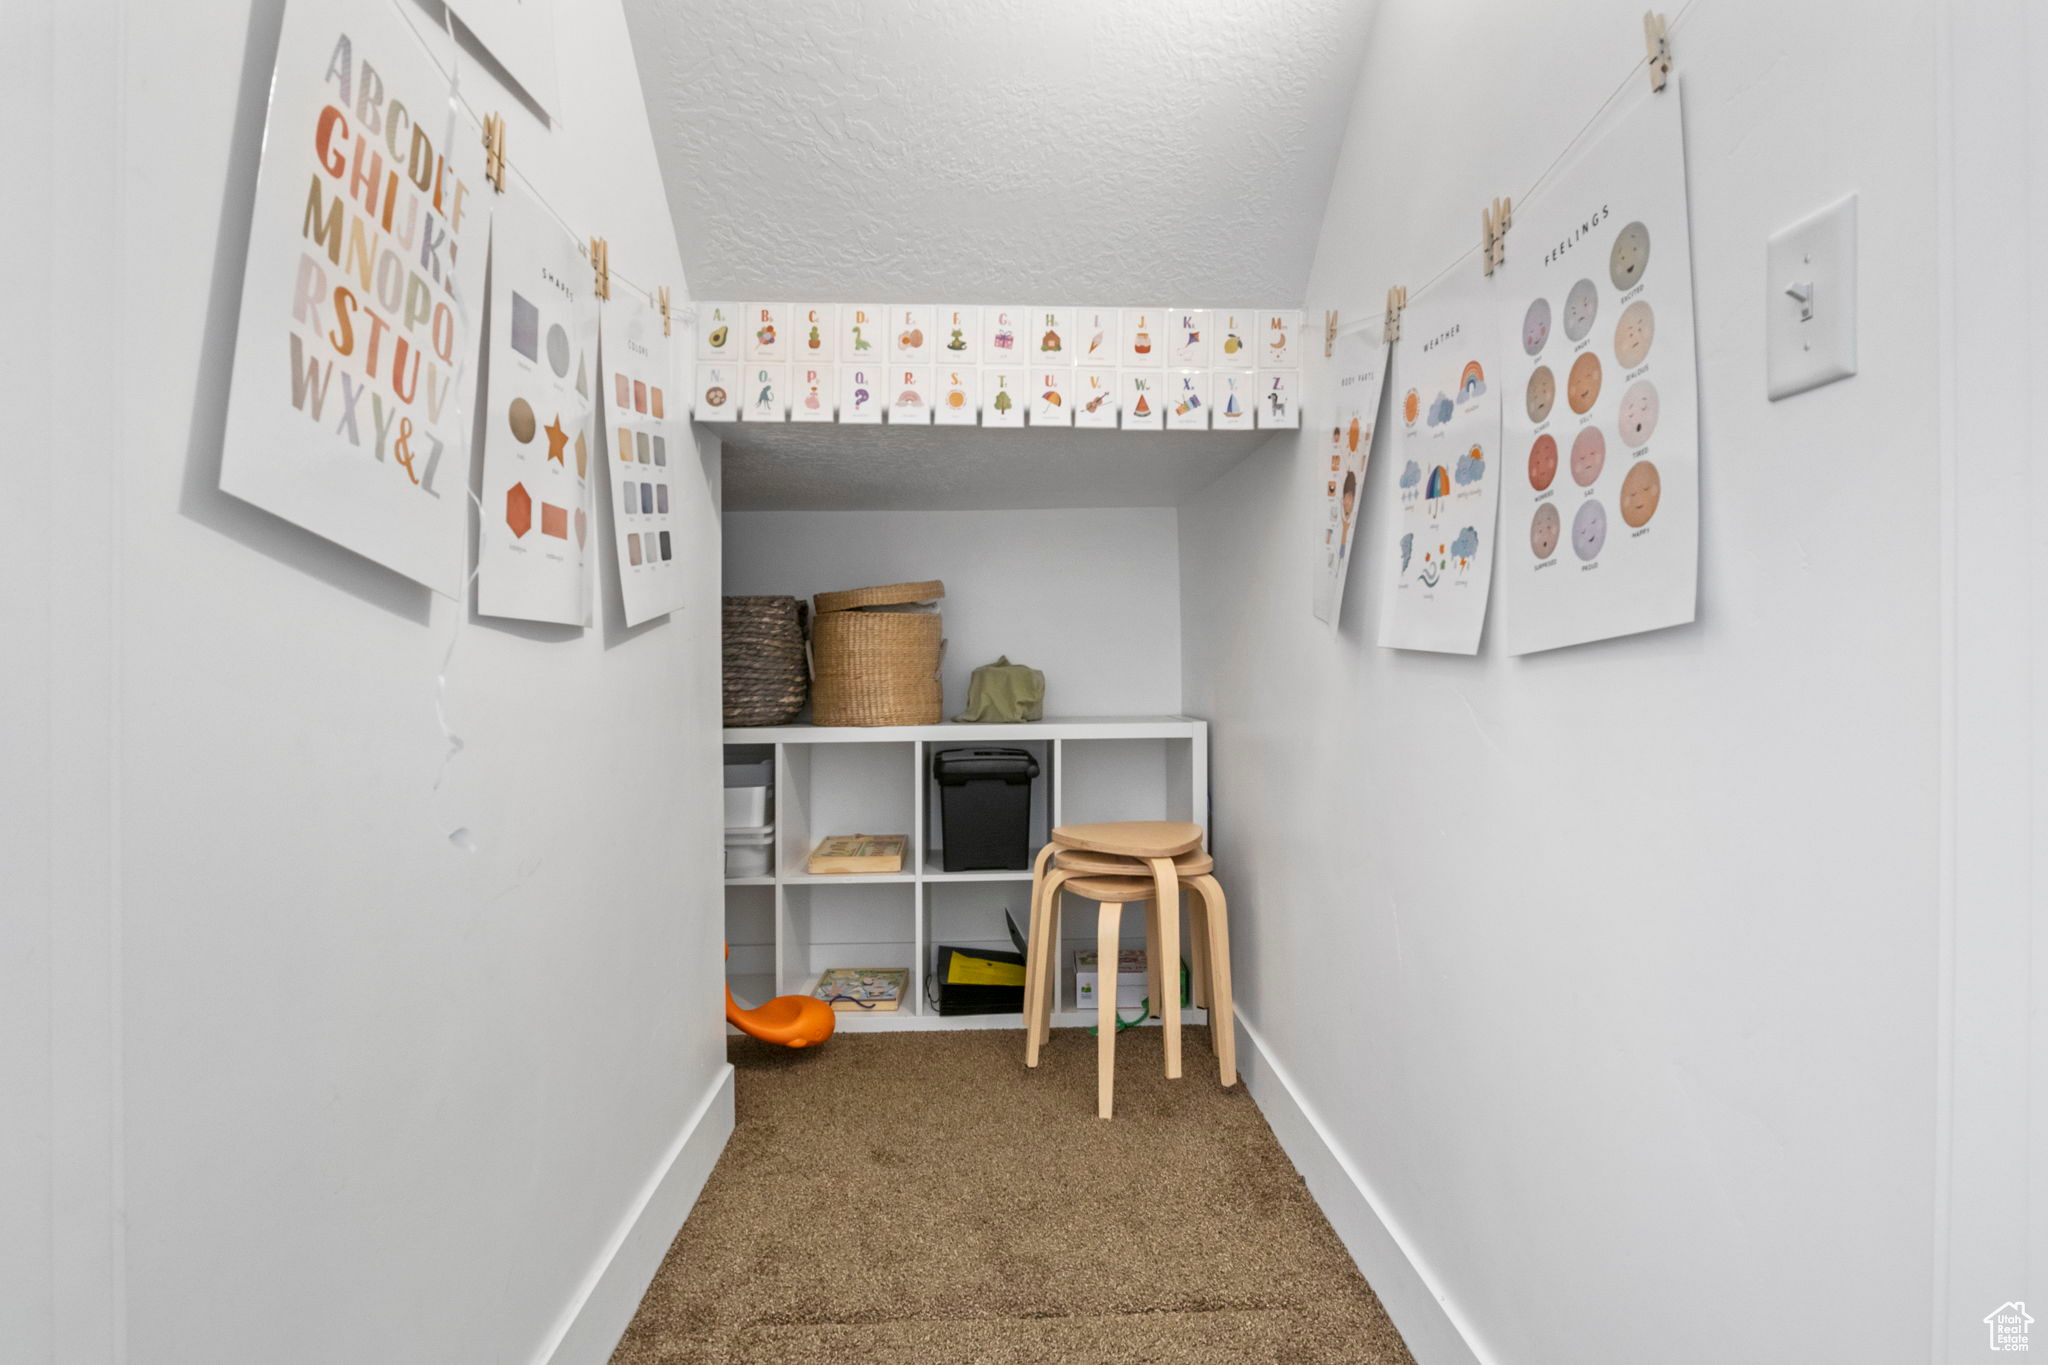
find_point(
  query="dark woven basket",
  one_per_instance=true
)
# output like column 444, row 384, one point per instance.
column 767, row 678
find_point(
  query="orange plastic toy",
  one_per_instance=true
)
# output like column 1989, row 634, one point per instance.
column 791, row 1020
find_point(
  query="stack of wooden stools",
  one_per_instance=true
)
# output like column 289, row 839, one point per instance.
column 1133, row 862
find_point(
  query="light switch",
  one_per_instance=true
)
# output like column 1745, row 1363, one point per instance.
column 1810, row 300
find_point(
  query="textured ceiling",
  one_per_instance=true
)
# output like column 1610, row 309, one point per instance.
column 1070, row 151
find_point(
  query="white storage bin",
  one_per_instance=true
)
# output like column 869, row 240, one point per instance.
column 749, row 852
column 746, row 807
column 1131, row 986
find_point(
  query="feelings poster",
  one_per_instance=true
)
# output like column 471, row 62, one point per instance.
column 1601, row 433
column 349, row 407
column 533, row 557
column 648, row 454
column 1359, row 369
column 1447, row 480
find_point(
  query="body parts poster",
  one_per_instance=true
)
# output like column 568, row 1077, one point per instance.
column 1357, row 374
column 349, row 412
column 647, row 451
column 1601, row 433
column 1447, row 480
column 533, row 560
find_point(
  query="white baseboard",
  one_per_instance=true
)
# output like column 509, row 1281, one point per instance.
column 590, row 1327
column 1435, row 1331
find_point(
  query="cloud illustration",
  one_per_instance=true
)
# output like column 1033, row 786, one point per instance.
column 1440, row 410
column 1412, row 475
column 1467, row 543
column 1471, row 468
column 1407, row 550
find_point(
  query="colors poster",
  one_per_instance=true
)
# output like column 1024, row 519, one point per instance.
column 1601, row 427
column 533, row 555
column 1358, row 373
column 649, row 455
column 349, row 412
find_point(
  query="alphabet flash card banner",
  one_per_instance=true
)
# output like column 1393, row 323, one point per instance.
column 1602, row 415
column 1441, row 550
column 349, row 411
column 1358, row 373
column 646, row 457
column 533, row 549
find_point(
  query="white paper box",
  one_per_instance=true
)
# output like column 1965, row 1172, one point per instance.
column 1280, row 344
column 1187, row 408
column 718, row 331
column 1004, row 396
column 1144, row 339
column 814, row 333
column 766, row 389
column 1279, row 399
column 1002, row 334
column 1050, row 335
column 1095, row 398
column 1187, row 334
column 910, row 395
column 1233, row 339
column 863, row 333
column 1143, row 399
column 910, row 332
column 959, row 396
column 1096, row 339
column 956, row 337
column 813, row 393
column 767, row 329
column 717, row 394
column 1051, row 397
column 1233, row 399
column 863, row 391
column 1132, row 981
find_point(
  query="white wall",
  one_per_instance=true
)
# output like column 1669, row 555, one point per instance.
column 1610, row 972
column 322, row 1086
column 1090, row 596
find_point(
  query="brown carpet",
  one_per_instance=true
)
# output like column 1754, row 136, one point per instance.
column 923, row 1198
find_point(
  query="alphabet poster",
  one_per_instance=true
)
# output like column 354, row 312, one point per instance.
column 533, row 559
column 1601, row 434
column 1359, row 369
column 649, row 454
column 349, row 411
column 1447, row 480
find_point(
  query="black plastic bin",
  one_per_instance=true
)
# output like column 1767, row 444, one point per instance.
column 985, row 808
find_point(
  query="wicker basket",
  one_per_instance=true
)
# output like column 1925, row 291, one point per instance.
column 766, row 676
column 873, row 666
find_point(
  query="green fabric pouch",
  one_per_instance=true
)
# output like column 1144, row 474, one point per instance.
column 1004, row 692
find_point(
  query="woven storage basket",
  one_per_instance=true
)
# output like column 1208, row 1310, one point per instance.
column 766, row 675
column 877, row 667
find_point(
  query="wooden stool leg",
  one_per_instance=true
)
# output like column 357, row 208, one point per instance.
column 1168, row 901
column 1153, row 997
column 1106, row 931
column 1222, row 1018
column 1198, row 949
column 1039, row 963
column 1031, row 951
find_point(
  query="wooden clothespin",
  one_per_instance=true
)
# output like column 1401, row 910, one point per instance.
column 494, row 151
column 1493, row 227
column 662, row 293
column 1657, row 37
column 1329, row 333
column 600, row 261
column 1397, row 303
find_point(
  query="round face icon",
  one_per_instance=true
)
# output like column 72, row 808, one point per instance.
column 1542, row 393
column 1580, row 308
column 1589, row 456
column 1536, row 326
column 1583, row 385
column 1543, row 530
column 1638, row 412
column 1630, row 257
column 1639, row 493
column 1632, row 335
column 1589, row 529
column 1542, row 463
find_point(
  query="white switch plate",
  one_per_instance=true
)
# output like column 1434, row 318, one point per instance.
column 1817, row 257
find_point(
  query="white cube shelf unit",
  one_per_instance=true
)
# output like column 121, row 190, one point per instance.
column 787, row 926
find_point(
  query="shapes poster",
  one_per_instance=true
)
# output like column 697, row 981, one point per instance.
column 1358, row 373
column 1600, row 439
column 349, row 412
column 534, row 560
column 649, row 457
column 1447, row 481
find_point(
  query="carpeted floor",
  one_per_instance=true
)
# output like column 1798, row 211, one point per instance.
column 923, row 1198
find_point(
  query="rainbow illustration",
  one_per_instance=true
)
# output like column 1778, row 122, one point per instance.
column 1439, row 485
column 1472, row 382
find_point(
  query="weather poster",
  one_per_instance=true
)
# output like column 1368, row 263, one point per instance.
column 1446, row 468
column 1600, row 533
column 1358, row 372
column 533, row 549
